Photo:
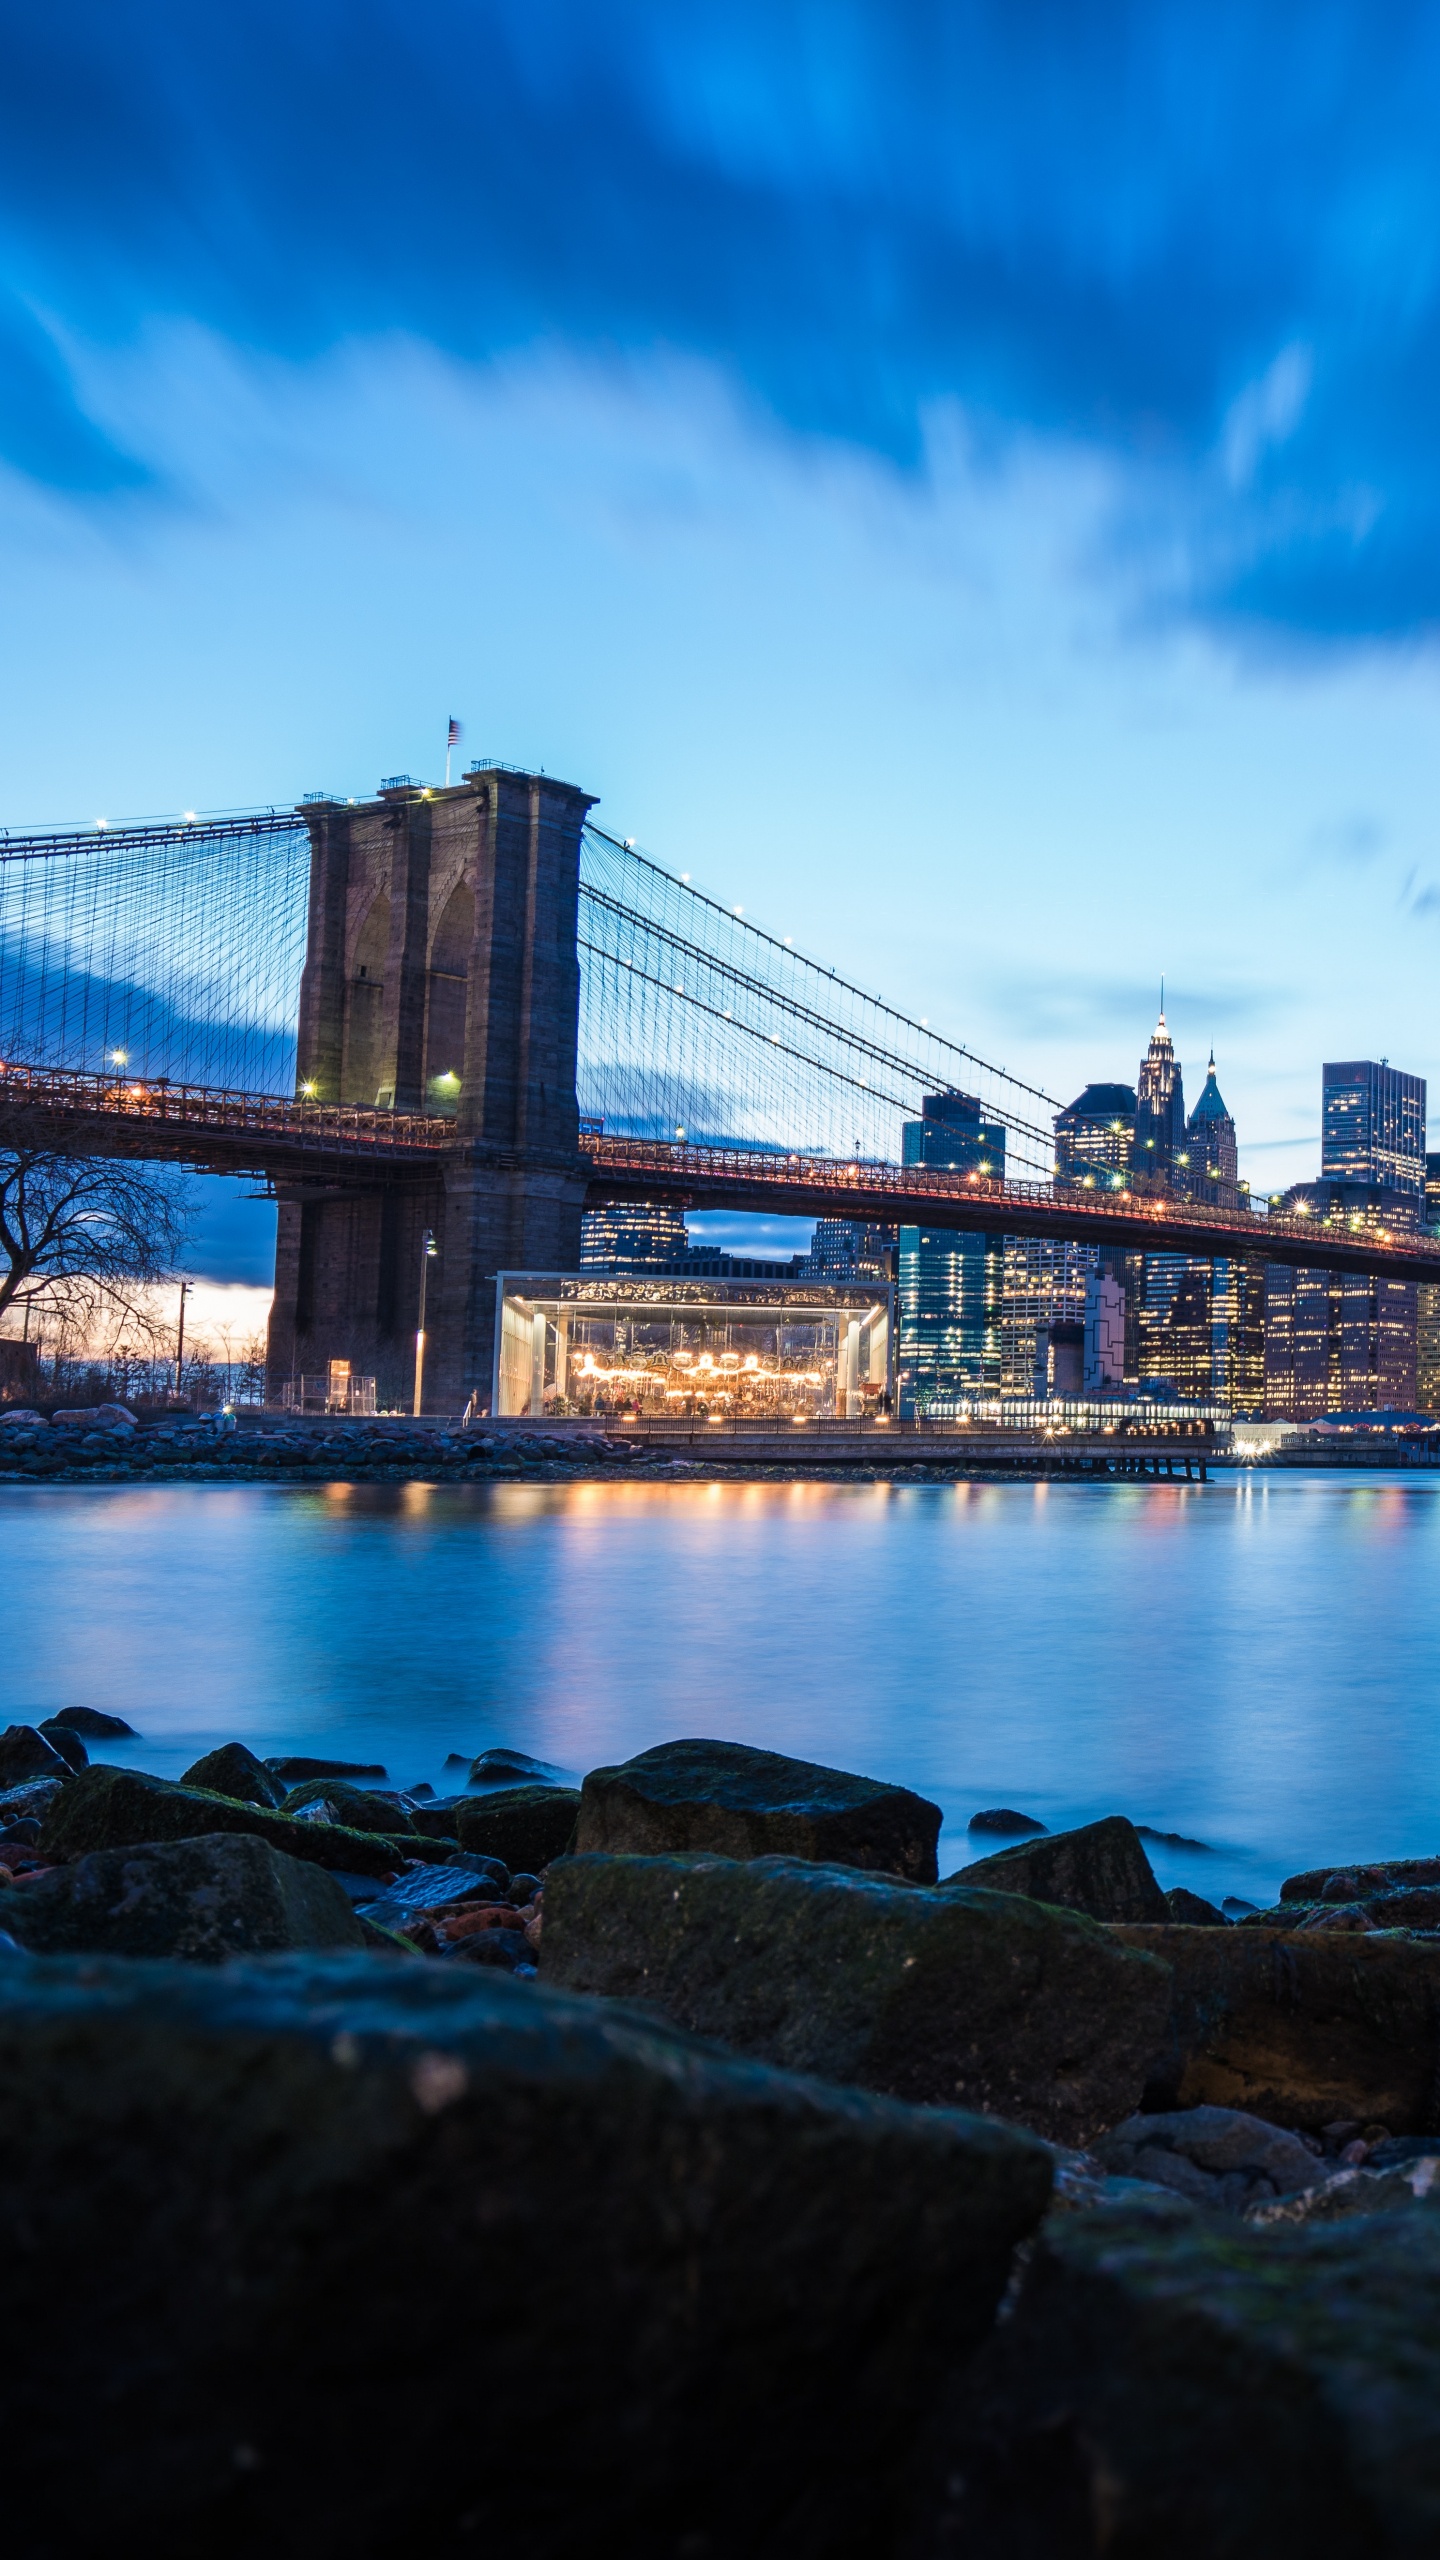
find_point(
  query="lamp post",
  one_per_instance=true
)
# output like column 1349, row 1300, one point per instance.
column 428, row 1251
column 180, row 1336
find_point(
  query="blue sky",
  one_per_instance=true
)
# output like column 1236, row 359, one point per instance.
column 961, row 480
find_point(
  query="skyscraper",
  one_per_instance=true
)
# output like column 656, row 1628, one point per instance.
column 1372, row 1126
column 1427, row 1296
column 1159, row 1107
column 950, row 1285
column 1342, row 1342
column 1094, row 1136
column 633, row 1235
column 849, row 1249
column 1210, row 1141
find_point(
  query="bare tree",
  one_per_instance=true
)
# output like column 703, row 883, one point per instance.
column 83, row 1237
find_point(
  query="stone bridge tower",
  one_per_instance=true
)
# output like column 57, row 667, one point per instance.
column 441, row 976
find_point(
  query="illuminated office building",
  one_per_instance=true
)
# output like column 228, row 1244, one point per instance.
column 1372, row 1127
column 951, row 1286
column 1427, row 1307
column 1341, row 1341
column 633, row 1235
column 849, row 1249
column 1159, row 1107
column 1210, row 1144
column 1094, row 1136
column 1042, row 1315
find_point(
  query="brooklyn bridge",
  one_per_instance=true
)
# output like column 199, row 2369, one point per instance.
column 473, row 1011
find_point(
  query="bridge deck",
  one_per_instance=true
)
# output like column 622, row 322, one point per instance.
column 289, row 1140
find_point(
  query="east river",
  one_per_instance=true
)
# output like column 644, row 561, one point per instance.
column 1254, row 1662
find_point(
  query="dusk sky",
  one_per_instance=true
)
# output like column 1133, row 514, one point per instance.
column 963, row 481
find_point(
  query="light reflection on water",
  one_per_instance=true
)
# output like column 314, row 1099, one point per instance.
column 1255, row 1662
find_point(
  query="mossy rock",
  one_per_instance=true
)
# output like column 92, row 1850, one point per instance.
column 954, row 1998
column 525, row 1827
column 1100, row 1869
column 736, row 1802
column 234, row 1771
column 719, row 2292
column 122, row 1808
column 202, row 1900
column 355, row 1806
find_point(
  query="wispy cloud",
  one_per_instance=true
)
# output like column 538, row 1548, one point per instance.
column 1198, row 238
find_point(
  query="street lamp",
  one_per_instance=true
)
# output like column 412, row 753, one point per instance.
column 180, row 1337
column 428, row 1251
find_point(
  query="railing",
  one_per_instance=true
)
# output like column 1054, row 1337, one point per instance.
column 670, row 1162
column 156, row 1101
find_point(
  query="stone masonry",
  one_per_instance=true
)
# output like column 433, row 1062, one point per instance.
column 441, row 976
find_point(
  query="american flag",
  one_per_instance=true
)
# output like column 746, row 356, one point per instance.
column 453, row 739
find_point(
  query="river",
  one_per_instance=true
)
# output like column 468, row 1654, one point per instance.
column 1254, row 1662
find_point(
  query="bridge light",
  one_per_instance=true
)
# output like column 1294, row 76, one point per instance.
column 789, row 945
column 739, row 911
column 102, row 823
column 679, row 1133
column 118, row 1057
column 629, row 845
column 685, row 877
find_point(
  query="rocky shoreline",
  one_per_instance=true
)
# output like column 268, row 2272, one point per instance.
column 678, row 2159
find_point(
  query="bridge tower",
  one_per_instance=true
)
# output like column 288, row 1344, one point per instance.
column 442, row 977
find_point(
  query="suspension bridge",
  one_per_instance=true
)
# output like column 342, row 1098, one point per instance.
column 475, row 1010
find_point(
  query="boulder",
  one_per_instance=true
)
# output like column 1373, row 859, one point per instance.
column 521, row 1826
column 1215, row 2155
column 293, row 1772
column 92, row 1724
column 513, row 1769
column 1185, row 2390
column 1357, row 1883
column 1300, row 2028
column 960, row 1998
column 120, row 1808
column 71, row 1749
column 96, row 1417
column 504, row 1948
column 203, row 1899
column 1343, row 2193
column 436, row 1819
column 1404, row 1906
column 738, row 1803
column 34, row 1796
column 25, row 1753
column 1101, row 1869
column 1193, row 1910
column 234, row 1771
column 349, row 1804
column 426, row 1889
column 354, row 2256
column 1004, row 1824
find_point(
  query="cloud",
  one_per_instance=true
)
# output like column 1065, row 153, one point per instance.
column 1354, row 840
column 1266, row 414
column 1198, row 239
column 1047, row 1006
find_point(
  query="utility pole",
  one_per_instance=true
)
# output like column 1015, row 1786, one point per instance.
column 428, row 1251
column 180, row 1335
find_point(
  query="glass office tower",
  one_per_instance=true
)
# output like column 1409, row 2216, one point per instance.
column 951, row 1286
column 1094, row 1136
column 1373, row 1126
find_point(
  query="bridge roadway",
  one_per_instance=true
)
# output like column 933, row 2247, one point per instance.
column 341, row 1143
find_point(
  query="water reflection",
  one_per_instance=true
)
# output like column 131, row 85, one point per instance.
column 1255, row 1661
